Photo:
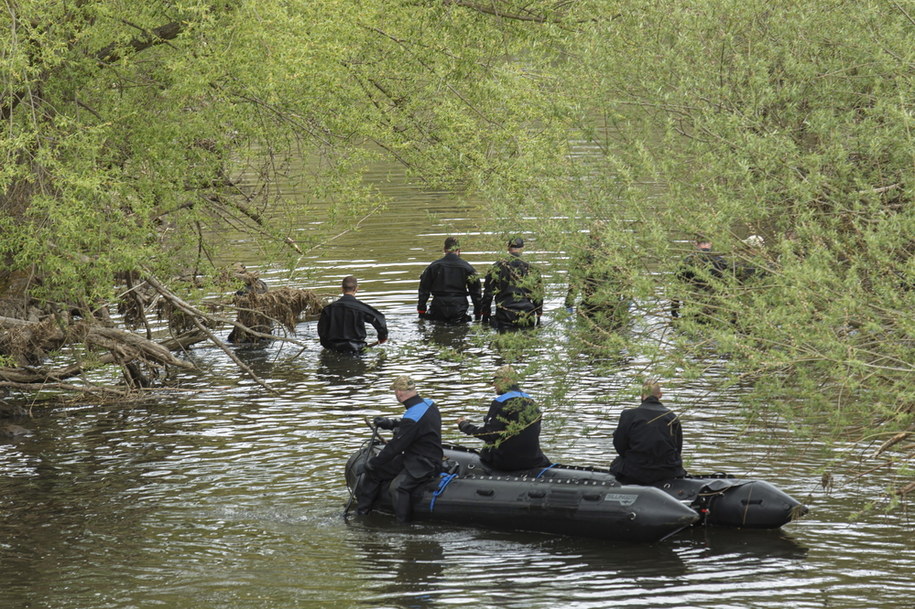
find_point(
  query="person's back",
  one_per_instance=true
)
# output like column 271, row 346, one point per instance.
column 341, row 326
column 649, row 442
column 511, row 428
column 418, row 438
column 449, row 280
column 702, row 268
column 605, row 293
column 516, row 289
column 698, row 273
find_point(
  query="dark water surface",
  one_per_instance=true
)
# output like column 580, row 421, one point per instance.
column 231, row 497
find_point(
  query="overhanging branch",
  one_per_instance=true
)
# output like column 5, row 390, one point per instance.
column 109, row 54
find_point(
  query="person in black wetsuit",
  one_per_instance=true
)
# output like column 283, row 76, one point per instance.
column 749, row 267
column 517, row 289
column 341, row 326
column 698, row 272
column 604, row 287
column 449, row 280
column 649, row 440
column 511, row 429
column 411, row 459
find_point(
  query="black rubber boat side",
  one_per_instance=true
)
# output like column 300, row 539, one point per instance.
column 598, row 509
column 718, row 500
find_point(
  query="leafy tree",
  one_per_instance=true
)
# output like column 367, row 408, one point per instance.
column 140, row 136
column 789, row 120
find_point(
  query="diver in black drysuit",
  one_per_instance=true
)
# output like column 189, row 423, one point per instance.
column 698, row 272
column 449, row 281
column 341, row 326
column 516, row 287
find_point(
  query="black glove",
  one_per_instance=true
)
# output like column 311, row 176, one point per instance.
column 384, row 423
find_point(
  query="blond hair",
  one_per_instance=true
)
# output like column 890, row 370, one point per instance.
column 651, row 388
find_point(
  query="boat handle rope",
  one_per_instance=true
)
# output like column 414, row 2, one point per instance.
column 442, row 485
column 545, row 470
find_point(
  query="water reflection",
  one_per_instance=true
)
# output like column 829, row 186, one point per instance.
column 446, row 336
column 414, row 565
column 351, row 371
column 644, row 562
column 709, row 542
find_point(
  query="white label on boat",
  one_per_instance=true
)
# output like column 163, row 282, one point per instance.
column 621, row 498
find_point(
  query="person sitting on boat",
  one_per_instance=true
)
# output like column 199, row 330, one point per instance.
column 649, row 440
column 411, row 459
column 511, row 429
column 341, row 326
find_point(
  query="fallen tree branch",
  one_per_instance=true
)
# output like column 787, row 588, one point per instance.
column 92, row 389
column 889, row 443
column 122, row 346
column 213, row 338
column 196, row 316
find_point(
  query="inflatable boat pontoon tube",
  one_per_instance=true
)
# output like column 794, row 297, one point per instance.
column 598, row 509
column 718, row 500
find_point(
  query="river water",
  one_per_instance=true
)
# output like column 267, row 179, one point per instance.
column 221, row 494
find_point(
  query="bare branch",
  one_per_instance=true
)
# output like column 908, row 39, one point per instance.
column 150, row 38
column 492, row 9
column 196, row 315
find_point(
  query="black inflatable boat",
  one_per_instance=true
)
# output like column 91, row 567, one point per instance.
column 572, row 505
column 718, row 499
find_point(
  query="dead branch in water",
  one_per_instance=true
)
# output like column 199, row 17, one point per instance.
column 27, row 343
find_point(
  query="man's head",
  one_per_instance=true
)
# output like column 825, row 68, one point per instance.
column 504, row 379
column 404, row 388
column 452, row 245
column 703, row 243
column 754, row 242
column 651, row 389
column 350, row 285
column 515, row 244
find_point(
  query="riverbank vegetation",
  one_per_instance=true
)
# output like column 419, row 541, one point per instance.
column 789, row 121
column 140, row 139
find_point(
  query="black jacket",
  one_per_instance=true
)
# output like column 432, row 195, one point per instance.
column 341, row 326
column 449, row 280
column 649, row 440
column 603, row 289
column 700, row 269
column 418, row 437
column 511, row 431
column 517, row 289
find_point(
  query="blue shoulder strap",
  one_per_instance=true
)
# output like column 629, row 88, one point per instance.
column 512, row 394
column 416, row 412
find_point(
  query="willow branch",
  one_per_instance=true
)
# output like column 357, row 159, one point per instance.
column 156, row 36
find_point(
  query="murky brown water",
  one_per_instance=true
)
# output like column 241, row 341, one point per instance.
column 232, row 497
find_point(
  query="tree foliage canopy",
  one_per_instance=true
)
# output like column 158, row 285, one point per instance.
column 789, row 120
column 133, row 128
column 138, row 134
